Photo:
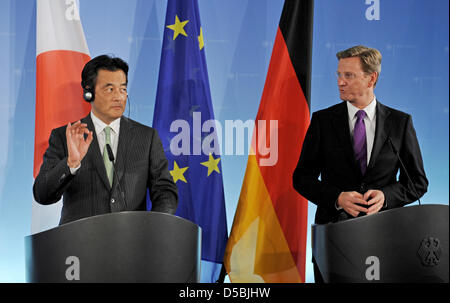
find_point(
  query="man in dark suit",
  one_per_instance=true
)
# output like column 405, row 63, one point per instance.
column 77, row 164
column 349, row 146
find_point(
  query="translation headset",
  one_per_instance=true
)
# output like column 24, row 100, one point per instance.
column 88, row 94
column 89, row 75
column 87, row 84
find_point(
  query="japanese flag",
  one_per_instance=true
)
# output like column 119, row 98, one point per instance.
column 61, row 53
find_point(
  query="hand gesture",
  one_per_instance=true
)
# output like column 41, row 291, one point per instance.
column 350, row 201
column 377, row 200
column 77, row 145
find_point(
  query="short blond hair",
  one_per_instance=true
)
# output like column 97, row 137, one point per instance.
column 370, row 58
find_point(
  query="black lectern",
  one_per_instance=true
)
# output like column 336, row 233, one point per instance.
column 408, row 244
column 118, row 247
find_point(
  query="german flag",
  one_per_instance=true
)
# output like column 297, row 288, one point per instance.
column 268, row 237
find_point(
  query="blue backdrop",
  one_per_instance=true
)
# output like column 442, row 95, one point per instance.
column 412, row 35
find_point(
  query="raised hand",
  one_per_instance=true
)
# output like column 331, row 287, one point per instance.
column 77, row 145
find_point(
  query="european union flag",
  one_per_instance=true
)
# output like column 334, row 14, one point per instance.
column 184, row 119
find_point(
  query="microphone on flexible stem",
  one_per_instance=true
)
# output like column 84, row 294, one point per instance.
column 404, row 168
column 111, row 158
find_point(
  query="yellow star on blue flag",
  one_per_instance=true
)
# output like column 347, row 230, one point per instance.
column 183, row 92
column 178, row 27
column 201, row 42
column 211, row 164
column 178, row 173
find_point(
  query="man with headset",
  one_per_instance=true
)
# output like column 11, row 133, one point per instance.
column 105, row 162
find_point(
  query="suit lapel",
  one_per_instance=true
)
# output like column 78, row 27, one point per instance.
column 381, row 132
column 94, row 155
column 125, row 139
column 341, row 125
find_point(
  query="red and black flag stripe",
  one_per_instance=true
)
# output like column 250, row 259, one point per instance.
column 296, row 26
column 268, row 237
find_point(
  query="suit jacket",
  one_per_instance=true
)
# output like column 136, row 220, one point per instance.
column 140, row 164
column 328, row 152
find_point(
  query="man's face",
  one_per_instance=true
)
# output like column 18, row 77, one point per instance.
column 354, row 85
column 110, row 95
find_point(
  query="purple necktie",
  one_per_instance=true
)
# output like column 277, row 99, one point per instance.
column 359, row 141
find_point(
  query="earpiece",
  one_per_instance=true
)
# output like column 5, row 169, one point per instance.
column 88, row 95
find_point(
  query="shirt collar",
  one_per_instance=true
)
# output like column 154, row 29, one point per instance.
column 369, row 109
column 100, row 125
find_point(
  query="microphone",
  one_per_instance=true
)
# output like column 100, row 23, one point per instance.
column 111, row 158
column 404, row 168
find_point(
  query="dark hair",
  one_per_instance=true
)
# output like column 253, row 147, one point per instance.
column 105, row 62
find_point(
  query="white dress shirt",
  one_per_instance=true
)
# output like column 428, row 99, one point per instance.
column 369, row 122
column 99, row 126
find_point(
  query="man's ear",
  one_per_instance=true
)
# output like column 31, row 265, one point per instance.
column 373, row 79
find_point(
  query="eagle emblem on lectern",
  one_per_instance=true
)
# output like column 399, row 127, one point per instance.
column 430, row 251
